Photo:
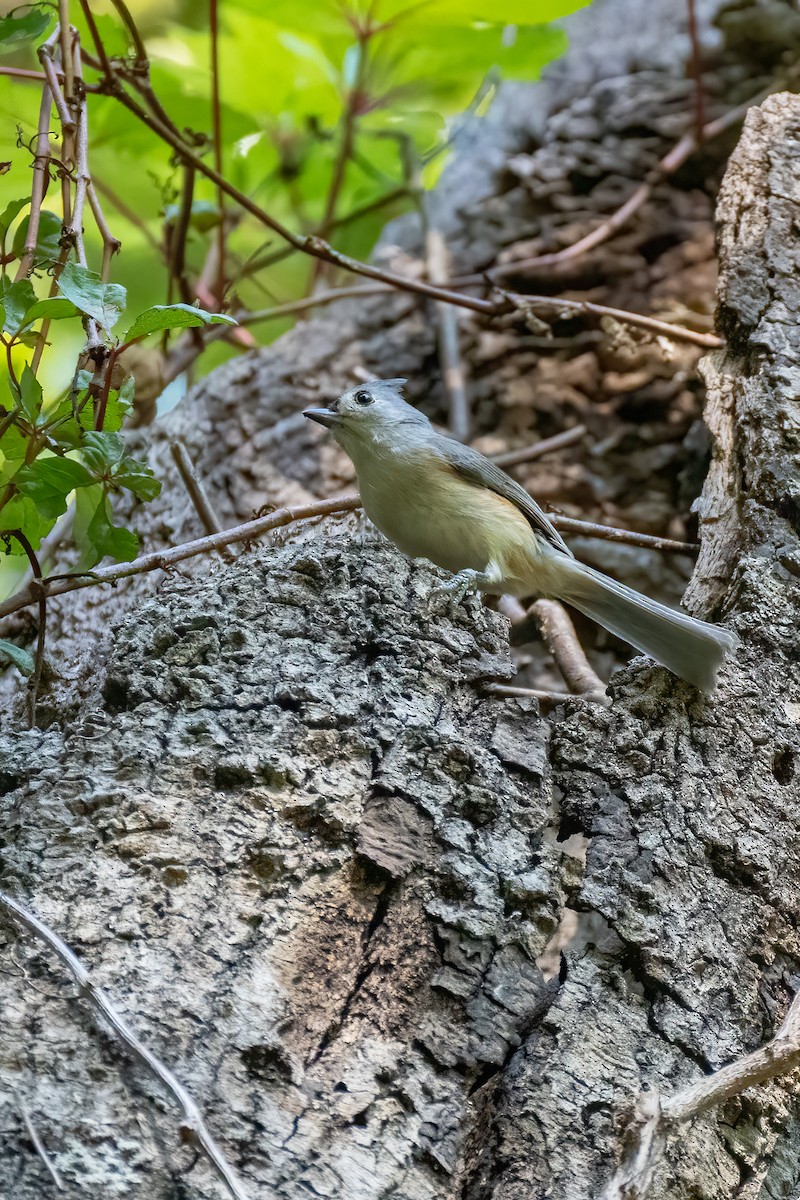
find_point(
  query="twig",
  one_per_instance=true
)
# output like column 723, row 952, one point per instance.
column 449, row 351
column 315, row 246
column 41, row 163
column 193, row 1122
column 668, row 165
column 513, row 458
column 39, row 1146
column 178, row 235
column 216, row 116
column 164, row 559
column 677, row 333
column 65, row 36
column 111, row 244
column 347, row 139
column 129, row 214
column 608, row 533
column 502, row 689
column 558, row 634
column 653, row 1118
column 198, row 494
column 697, row 73
column 57, row 585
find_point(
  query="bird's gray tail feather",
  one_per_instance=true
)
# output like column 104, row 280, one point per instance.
column 690, row 648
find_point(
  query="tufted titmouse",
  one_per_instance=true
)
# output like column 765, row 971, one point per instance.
column 437, row 499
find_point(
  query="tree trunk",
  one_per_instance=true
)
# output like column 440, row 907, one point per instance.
column 325, row 876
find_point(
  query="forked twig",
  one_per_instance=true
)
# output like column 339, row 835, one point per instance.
column 193, row 1123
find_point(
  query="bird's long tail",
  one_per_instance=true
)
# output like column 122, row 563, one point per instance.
column 690, row 648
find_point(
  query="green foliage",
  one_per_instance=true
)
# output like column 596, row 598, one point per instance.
column 327, row 108
column 16, row 655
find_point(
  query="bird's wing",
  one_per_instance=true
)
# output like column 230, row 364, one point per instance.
column 480, row 471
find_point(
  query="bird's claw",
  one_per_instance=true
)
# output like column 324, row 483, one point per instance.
column 465, row 583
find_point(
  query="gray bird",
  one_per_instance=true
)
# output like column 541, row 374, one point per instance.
column 438, row 499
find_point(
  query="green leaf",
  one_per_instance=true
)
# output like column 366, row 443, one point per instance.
column 174, row 316
column 138, row 478
column 21, row 513
column 94, row 531
column 30, row 394
column 16, row 655
column 103, row 453
column 49, row 481
column 48, row 237
column 11, row 210
column 55, row 309
column 17, row 299
column 25, row 28
column 204, row 215
column 13, row 448
column 103, row 301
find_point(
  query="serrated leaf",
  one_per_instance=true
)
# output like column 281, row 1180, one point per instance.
column 25, row 28
column 103, row 301
column 174, row 316
column 48, row 237
column 10, row 212
column 17, row 299
column 21, row 659
column 49, row 481
column 30, row 394
column 52, row 309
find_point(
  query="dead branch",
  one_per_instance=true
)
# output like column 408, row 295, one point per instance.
column 558, row 634
column 653, row 1119
column 39, row 1146
column 193, row 1123
column 198, row 494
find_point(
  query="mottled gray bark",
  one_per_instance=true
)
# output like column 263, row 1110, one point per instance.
column 318, row 870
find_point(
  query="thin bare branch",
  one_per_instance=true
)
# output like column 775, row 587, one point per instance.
column 513, row 458
column 38, row 591
column 558, row 634
column 111, row 244
column 503, row 689
column 198, row 495
column 504, row 303
column 653, row 1119
column 193, row 1123
column 162, row 560
column 696, row 67
column 40, row 1147
column 216, row 120
column 669, row 164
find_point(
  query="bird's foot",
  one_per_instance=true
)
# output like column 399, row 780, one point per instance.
column 465, row 583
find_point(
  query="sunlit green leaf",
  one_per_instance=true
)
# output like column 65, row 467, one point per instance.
column 103, row 301
column 10, row 212
column 103, row 452
column 30, row 394
column 23, row 26
column 55, row 309
column 174, row 316
column 21, row 513
column 17, row 299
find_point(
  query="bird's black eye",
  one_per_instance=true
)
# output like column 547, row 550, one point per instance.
column 363, row 398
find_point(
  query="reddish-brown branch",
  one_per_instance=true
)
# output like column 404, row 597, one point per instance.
column 558, row 634
column 216, row 118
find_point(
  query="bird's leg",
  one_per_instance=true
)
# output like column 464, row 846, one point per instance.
column 469, row 581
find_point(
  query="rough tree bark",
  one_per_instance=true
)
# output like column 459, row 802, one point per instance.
column 318, row 870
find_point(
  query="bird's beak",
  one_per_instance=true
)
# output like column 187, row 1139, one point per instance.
column 323, row 416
